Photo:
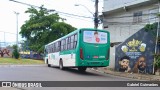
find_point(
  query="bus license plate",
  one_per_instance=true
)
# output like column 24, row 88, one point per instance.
column 95, row 57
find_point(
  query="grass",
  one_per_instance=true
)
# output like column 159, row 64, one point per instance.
column 19, row 61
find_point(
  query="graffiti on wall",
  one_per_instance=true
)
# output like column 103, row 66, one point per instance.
column 5, row 52
column 136, row 53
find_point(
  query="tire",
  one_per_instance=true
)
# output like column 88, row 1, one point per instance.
column 49, row 65
column 82, row 69
column 61, row 65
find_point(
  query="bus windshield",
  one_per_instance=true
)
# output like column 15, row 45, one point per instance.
column 95, row 37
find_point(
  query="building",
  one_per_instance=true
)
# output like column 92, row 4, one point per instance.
column 123, row 18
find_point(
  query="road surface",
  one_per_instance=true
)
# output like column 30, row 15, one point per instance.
column 44, row 73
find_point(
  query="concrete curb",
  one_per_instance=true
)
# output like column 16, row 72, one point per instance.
column 136, row 76
column 11, row 65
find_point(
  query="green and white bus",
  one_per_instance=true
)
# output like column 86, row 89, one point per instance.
column 80, row 49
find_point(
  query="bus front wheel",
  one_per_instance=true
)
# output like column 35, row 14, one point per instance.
column 61, row 65
column 82, row 69
column 49, row 65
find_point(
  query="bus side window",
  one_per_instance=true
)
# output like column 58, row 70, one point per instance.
column 54, row 47
column 75, row 40
column 68, row 43
column 46, row 50
column 59, row 45
column 64, row 44
column 49, row 49
column 72, row 41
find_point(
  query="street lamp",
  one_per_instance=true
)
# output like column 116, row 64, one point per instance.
column 95, row 15
column 17, row 26
column 84, row 7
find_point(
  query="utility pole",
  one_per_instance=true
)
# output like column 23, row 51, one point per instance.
column 96, row 15
column 17, row 26
column 4, row 39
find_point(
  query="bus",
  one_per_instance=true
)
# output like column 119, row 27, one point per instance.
column 82, row 49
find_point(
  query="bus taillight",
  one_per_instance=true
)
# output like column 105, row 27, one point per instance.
column 108, row 53
column 81, row 53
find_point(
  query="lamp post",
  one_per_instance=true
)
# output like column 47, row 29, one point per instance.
column 157, row 36
column 95, row 15
column 84, row 7
column 17, row 27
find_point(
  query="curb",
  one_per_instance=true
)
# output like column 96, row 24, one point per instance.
column 129, row 75
column 3, row 65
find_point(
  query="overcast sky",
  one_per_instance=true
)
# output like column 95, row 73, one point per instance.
column 8, row 18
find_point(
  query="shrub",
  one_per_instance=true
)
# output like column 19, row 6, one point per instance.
column 15, row 52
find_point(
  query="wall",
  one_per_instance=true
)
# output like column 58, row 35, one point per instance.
column 115, row 4
column 120, row 24
column 135, row 54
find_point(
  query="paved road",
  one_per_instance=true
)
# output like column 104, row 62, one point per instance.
column 44, row 73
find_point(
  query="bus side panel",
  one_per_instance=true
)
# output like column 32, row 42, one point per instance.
column 68, row 58
column 53, row 59
column 78, row 50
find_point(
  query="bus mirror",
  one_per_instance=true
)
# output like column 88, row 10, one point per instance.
column 80, row 31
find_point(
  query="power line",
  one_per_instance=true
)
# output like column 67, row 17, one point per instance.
column 8, row 32
column 73, row 14
column 64, row 14
column 49, row 9
column 76, row 18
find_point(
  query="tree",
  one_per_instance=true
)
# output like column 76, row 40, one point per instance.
column 152, row 28
column 43, row 28
column 15, row 52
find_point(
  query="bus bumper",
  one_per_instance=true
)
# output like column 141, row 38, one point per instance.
column 88, row 63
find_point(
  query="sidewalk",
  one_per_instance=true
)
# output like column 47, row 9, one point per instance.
column 137, row 76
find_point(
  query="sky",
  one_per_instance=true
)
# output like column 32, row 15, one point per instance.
column 8, row 25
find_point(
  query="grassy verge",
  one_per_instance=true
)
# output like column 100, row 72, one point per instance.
column 19, row 61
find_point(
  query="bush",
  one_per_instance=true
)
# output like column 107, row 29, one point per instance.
column 157, row 62
column 15, row 52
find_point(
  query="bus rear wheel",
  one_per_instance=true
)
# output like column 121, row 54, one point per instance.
column 82, row 69
column 49, row 65
column 61, row 65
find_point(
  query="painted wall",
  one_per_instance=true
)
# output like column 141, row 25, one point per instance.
column 6, row 52
column 136, row 53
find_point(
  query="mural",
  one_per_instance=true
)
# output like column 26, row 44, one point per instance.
column 4, row 52
column 136, row 53
column 124, row 64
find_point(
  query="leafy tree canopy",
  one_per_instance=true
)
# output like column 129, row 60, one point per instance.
column 43, row 27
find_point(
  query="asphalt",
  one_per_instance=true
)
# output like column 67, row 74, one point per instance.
column 106, row 70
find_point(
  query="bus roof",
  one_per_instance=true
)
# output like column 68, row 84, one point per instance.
column 74, row 32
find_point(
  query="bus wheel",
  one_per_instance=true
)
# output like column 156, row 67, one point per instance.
column 82, row 69
column 49, row 65
column 61, row 65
